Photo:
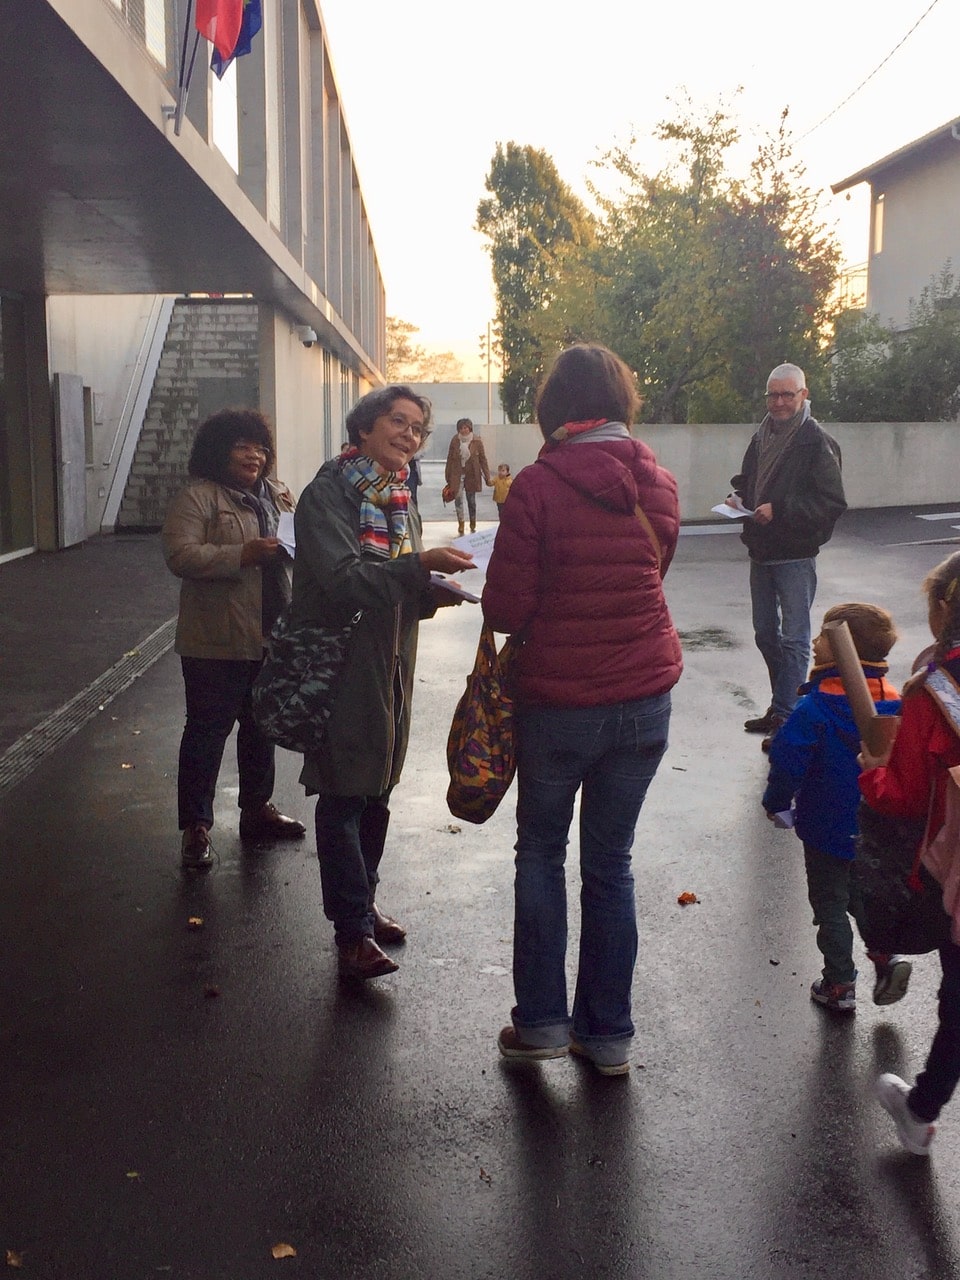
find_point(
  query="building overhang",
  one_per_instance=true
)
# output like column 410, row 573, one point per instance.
column 910, row 152
column 97, row 195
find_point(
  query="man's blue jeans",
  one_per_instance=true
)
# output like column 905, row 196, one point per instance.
column 610, row 755
column 782, row 596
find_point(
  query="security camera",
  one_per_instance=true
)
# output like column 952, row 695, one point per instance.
column 306, row 335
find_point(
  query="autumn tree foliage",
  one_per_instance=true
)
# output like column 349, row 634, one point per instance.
column 408, row 361
column 701, row 280
column 531, row 220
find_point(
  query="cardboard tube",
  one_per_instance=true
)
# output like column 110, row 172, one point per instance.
column 876, row 731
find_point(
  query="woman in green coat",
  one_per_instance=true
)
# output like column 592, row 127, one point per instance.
column 359, row 552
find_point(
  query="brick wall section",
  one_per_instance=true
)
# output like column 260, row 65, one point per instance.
column 210, row 360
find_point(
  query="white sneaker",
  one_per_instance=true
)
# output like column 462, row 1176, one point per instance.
column 916, row 1135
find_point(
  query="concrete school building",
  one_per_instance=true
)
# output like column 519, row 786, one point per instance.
column 149, row 276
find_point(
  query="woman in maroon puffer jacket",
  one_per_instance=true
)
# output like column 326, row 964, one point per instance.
column 576, row 574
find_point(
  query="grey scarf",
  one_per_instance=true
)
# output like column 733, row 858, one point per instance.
column 775, row 441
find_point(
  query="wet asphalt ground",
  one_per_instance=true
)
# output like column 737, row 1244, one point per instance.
column 176, row 1101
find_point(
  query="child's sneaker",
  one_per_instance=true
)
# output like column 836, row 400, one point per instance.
column 916, row 1135
column 893, row 978
column 840, row 996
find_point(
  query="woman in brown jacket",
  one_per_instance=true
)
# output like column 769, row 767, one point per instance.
column 219, row 537
column 466, row 470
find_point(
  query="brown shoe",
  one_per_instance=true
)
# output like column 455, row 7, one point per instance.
column 363, row 959
column 460, row 529
column 195, row 851
column 268, row 823
column 777, row 723
column 387, row 931
column 760, row 724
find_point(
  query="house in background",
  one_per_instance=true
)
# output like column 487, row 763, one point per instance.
column 914, row 227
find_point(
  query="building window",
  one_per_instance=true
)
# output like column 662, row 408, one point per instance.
column 878, row 224
column 149, row 20
column 224, row 125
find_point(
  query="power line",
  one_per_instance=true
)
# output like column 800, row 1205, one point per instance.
column 877, row 68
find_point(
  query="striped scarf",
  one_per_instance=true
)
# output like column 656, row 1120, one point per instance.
column 383, row 505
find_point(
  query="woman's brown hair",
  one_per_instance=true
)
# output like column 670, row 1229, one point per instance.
column 586, row 381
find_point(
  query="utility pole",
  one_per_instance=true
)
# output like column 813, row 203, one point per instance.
column 486, row 353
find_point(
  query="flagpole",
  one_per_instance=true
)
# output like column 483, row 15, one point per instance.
column 186, row 72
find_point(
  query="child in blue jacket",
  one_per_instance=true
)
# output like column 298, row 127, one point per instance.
column 813, row 780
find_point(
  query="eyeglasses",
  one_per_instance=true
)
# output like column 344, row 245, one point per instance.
column 782, row 395
column 243, row 446
column 401, row 423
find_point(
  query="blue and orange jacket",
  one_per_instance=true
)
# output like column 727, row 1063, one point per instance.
column 813, row 759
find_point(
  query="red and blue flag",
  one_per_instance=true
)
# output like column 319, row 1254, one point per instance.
column 230, row 26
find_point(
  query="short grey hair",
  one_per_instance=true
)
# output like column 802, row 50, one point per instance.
column 783, row 371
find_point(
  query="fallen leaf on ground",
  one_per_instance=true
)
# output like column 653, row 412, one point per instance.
column 132, row 653
column 452, row 828
column 128, row 766
column 485, row 1177
column 132, row 1173
column 211, row 992
column 14, row 1259
column 283, row 1251
column 685, row 899
column 195, row 922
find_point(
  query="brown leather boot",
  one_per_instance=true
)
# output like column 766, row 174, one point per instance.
column 363, row 960
column 460, row 529
column 386, row 930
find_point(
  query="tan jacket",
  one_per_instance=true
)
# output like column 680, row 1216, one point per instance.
column 474, row 473
column 220, row 601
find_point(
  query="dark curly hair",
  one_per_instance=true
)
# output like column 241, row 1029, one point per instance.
column 376, row 403
column 216, row 436
column 586, row 381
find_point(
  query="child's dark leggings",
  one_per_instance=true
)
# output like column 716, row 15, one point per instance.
column 937, row 1081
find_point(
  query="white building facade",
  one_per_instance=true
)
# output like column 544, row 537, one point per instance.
column 108, row 215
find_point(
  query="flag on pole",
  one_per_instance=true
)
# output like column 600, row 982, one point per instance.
column 251, row 21
column 219, row 22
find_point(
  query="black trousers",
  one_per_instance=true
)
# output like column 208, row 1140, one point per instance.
column 937, row 1081
column 218, row 696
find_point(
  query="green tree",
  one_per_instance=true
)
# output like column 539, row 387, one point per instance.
column 701, row 281
column 881, row 374
column 529, row 219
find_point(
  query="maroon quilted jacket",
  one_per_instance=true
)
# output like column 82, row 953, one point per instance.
column 574, row 575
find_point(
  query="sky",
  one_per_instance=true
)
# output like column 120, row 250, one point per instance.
column 430, row 87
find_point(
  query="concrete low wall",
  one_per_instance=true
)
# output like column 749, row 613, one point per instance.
column 885, row 464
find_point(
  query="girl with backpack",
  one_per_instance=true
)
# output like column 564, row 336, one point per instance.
column 911, row 780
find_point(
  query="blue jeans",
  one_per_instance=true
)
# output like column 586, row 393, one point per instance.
column 782, row 597
column 351, row 833
column 218, row 696
column 610, row 755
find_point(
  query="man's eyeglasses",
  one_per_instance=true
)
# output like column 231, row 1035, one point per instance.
column 782, row 395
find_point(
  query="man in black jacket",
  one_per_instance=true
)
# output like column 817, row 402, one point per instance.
column 790, row 480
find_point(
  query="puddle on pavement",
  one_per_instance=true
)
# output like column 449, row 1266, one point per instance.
column 707, row 638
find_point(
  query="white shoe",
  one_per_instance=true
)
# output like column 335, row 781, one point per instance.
column 916, row 1135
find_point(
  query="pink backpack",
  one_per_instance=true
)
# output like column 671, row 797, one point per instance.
column 940, row 853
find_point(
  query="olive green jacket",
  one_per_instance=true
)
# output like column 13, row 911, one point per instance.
column 370, row 722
